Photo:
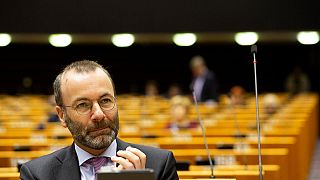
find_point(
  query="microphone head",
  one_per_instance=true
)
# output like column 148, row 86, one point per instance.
column 254, row 49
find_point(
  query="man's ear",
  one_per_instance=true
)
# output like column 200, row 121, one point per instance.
column 61, row 116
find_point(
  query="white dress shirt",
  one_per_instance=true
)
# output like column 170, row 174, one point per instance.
column 198, row 86
column 87, row 171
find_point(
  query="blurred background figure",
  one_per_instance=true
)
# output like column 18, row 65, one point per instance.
column 174, row 90
column 179, row 109
column 151, row 89
column 297, row 82
column 271, row 104
column 204, row 82
column 26, row 86
column 238, row 95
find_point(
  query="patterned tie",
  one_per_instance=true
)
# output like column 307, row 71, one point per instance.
column 97, row 162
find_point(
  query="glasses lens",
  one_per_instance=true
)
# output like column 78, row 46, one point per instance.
column 83, row 108
column 107, row 102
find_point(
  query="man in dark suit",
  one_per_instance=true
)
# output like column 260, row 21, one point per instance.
column 204, row 82
column 86, row 105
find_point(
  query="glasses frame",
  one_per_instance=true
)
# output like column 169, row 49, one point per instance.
column 75, row 109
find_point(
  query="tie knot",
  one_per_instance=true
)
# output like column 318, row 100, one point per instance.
column 97, row 162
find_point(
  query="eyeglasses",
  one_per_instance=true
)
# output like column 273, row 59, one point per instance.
column 84, row 107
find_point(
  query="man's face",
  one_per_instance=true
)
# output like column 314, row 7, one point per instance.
column 98, row 128
column 179, row 112
column 198, row 69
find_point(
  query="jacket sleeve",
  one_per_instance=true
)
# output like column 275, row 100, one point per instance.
column 170, row 170
column 25, row 173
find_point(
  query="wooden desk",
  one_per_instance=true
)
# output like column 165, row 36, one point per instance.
column 270, row 171
column 33, row 144
column 239, row 175
column 277, row 156
column 8, row 169
column 208, row 179
column 7, row 156
column 197, row 142
column 10, row 176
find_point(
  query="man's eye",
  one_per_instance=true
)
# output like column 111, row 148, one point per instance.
column 106, row 101
column 83, row 105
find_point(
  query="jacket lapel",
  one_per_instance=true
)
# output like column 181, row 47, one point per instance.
column 121, row 145
column 69, row 168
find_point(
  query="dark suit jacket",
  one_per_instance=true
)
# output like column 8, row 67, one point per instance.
column 63, row 164
column 210, row 88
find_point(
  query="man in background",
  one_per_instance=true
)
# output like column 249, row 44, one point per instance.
column 204, row 83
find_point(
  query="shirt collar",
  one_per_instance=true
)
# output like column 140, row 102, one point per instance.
column 84, row 155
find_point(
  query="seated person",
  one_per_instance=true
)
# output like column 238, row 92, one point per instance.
column 271, row 104
column 237, row 95
column 179, row 113
column 173, row 90
column 151, row 89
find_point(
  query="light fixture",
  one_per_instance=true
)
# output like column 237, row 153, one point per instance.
column 246, row 38
column 5, row 39
column 308, row 37
column 122, row 40
column 184, row 39
column 60, row 40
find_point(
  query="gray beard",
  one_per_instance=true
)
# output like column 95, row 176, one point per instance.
column 91, row 139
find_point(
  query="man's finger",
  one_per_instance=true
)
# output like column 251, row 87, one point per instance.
column 134, row 159
column 123, row 163
column 140, row 154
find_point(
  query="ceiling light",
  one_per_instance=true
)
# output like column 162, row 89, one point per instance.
column 60, row 40
column 308, row 37
column 122, row 40
column 5, row 39
column 184, row 39
column 246, row 38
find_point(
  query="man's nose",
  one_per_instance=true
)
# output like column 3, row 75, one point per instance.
column 98, row 113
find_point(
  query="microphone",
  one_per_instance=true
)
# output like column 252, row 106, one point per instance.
column 203, row 133
column 254, row 52
column 254, row 49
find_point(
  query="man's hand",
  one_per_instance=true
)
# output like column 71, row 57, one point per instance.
column 131, row 158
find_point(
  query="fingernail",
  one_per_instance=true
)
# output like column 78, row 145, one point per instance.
column 120, row 152
column 129, row 147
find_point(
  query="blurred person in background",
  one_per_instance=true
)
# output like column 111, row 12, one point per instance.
column 204, row 82
column 151, row 89
column 237, row 96
column 179, row 111
column 173, row 90
column 297, row 82
column 271, row 104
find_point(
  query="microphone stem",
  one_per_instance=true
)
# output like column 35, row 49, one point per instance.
column 203, row 135
column 257, row 115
